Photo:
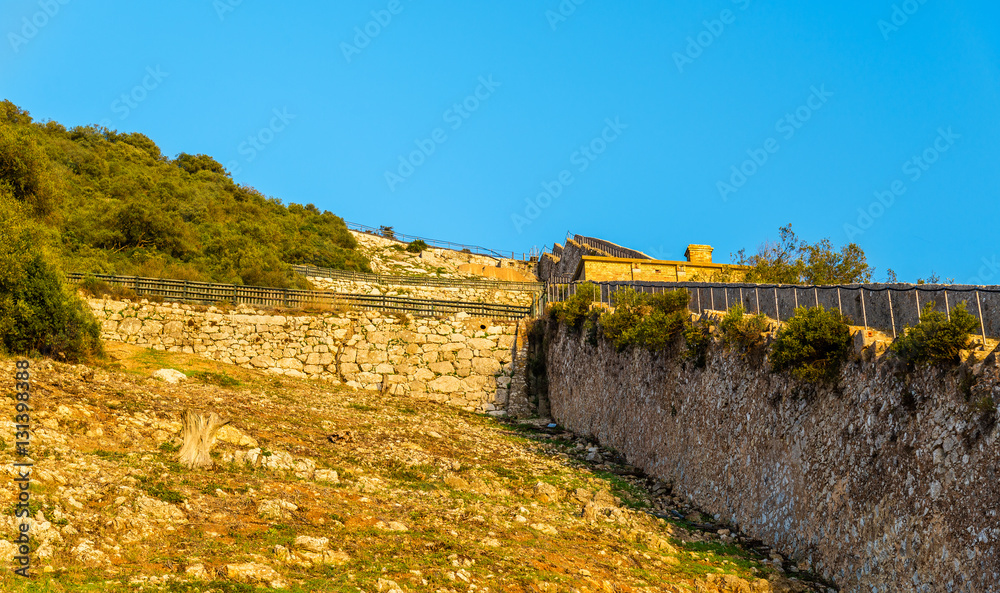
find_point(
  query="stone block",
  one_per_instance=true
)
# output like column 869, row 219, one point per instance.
column 442, row 368
column 445, row 384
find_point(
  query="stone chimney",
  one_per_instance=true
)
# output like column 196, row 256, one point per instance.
column 699, row 254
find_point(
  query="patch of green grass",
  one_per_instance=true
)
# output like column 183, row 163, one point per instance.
column 210, row 378
column 397, row 470
column 362, row 407
column 110, row 455
column 631, row 495
column 160, row 490
column 169, row 447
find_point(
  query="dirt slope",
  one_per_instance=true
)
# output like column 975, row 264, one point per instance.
column 320, row 490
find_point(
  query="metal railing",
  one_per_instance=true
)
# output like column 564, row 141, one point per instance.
column 531, row 255
column 386, row 279
column 885, row 307
column 610, row 248
column 206, row 293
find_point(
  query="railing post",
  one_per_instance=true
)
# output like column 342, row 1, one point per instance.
column 864, row 312
column 892, row 317
column 982, row 325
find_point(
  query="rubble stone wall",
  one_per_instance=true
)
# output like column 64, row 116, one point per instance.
column 470, row 293
column 888, row 483
column 458, row 359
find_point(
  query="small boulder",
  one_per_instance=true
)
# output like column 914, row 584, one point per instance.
column 169, row 376
column 253, row 573
column 546, row 492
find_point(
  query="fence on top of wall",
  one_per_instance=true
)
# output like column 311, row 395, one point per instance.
column 889, row 308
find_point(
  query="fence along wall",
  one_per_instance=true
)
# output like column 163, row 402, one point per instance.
column 886, row 307
column 205, row 293
column 456, row 360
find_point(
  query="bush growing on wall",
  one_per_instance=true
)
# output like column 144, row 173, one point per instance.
column 813, row 345
column 742, row 331
column 649, row 321
column 936, row 339
column 573, row 311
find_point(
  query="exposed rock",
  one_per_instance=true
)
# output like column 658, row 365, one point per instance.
column 170, row 376
column 253, row 573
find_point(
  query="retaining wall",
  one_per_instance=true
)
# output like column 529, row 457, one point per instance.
column 472, row 293
column 889, row 483
column 457, row 359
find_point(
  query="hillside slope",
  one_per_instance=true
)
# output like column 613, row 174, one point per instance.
column 101, row 201
column 319, row 490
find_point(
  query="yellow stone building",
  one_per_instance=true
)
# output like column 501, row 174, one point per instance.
column 698, row 267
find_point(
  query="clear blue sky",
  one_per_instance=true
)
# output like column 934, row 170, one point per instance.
column 665, row 99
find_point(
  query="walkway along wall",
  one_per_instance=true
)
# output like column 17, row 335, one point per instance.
column 889, row 483
column 457, row 359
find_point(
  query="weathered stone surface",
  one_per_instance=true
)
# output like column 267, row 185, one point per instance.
column 368, row 350
column 170, row 376
column 857, row 481
column 445, row 384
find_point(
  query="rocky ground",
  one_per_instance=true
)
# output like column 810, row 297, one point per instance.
column 315, row 489
column 390, row 257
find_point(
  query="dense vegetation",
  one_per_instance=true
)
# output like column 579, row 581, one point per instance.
column 97, row 201
column 813, row 345
column 741, row 331
column 653, row 321
column 937, row 338
column 37, row 313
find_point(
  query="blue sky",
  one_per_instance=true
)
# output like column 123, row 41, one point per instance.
column 650, row 124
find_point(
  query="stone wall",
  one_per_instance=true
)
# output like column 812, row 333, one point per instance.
column 889, row 483
column 458, row 359
column 474, row 292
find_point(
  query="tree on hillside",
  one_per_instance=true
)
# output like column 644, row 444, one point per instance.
column 795, row 261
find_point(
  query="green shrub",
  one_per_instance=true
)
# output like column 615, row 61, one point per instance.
column 93, row 287
column 650, row 321
column 742, row 331
column 416, row 246
column 698, row 337
column 936, row 339
column 813, row 345
column 37, row 313
column 573, row 311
